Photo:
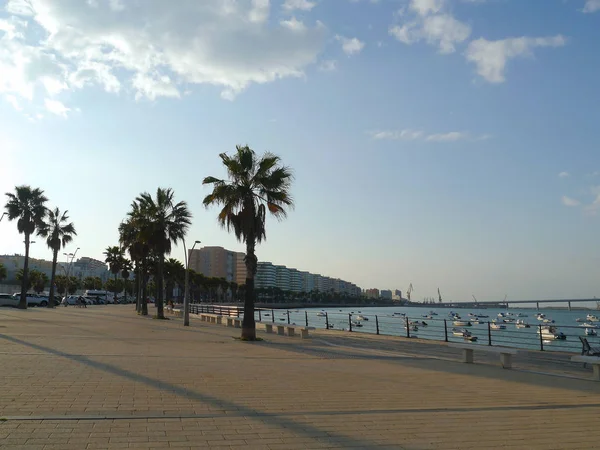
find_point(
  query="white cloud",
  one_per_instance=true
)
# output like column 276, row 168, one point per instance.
column 430, row 23
column 14, row 102
column 303, row 5
column 350, row 46
column 56, row 107
column 448, row 137
column 425, row 7
column 403, row 135
column 153, row 47
column 491, row 57
column 294, row 24
column 414, row 135
column 328, row 65
column 564, row 175
column 591, row 6
column 568, row 201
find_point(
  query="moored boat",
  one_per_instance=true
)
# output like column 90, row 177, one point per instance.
column 497, row 326
column 461, row 323
column 591, row 332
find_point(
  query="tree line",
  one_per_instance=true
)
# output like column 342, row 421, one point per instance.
column 254, row 187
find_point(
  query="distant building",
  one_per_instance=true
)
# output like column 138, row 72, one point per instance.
column 266, row 276
column 82, row 268
column 386, row 294
column 372, row 293
column 215, row 262
column 397, row 295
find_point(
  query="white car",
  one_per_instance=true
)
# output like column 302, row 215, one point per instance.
column 8, row 300
column 33, row 299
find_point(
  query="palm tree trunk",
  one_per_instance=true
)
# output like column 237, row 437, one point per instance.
column 23, row 300
column 160, row 314
column 248, row 323
column 144, row 299
column 52, row 277
column 138, row 288
column 115, row 292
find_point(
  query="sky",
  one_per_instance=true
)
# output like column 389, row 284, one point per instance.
column 443, row 143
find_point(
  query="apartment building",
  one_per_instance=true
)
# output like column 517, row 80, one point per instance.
column 290, row 279
column 215, row 262
column 385, row 293
column 266, row 276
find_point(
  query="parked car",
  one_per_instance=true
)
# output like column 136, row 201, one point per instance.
column 71, row 299
column 33, row 299
column 8, row 300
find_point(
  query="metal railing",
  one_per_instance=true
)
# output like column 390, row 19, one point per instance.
column 232, row 311
column 480, row 332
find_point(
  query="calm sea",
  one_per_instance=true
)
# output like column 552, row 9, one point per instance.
column 434, row 328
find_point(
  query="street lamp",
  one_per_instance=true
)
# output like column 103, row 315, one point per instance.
column 186, row 294
column 2, row 216
column 70, row 264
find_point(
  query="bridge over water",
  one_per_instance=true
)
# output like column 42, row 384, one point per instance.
column 506, row 303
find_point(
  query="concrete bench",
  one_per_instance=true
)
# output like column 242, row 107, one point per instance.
column 211, row 318
column 505, row 353
column 282, row 327
column 594, row 361
column 233, row 322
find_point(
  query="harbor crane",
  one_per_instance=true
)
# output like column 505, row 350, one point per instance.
column 409, row 291
column 439, row 296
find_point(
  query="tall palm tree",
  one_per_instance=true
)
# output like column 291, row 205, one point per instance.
column 28, row 207
column 165, row 223
column 255, row 185
column 114, row 259
column 126, row 268
column 131, row 240
column 58, row 232
column 174, row 276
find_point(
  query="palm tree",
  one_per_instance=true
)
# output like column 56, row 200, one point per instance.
column 165, row 224
column 27, row 207
column 3, row 273
column 58, row 234
column 126, row 268
column 255, row 185
column 130, row 239
column 114, row 259
column 174, row 275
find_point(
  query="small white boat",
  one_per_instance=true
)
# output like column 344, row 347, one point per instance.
column 551, row 334
column 589, row 325
column 475, row 321
column 540, row 316
column 522, row 324
column 497, row 326
column 412, row 327
column 548, row 321
column 321, row 314
column 592, row 318
column 461, row 323
column 432, row 313
column 591, row 332
column 501, row 315
column 359, row 317
column 460, row 332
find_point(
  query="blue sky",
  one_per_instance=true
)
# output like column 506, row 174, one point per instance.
column 450, row 144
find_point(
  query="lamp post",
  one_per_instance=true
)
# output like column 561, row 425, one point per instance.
column 2, row 216
column 186, row 293
column 70, row 264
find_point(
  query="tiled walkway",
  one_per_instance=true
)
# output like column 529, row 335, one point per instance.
column 103, row 377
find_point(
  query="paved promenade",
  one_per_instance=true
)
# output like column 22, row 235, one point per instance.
column 102, row 377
